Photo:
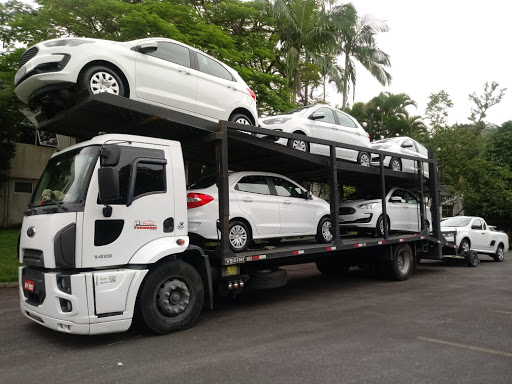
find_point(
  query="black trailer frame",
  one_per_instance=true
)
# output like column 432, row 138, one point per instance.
column 231, row 146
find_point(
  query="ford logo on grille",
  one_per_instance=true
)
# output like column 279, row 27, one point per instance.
column 31, row 232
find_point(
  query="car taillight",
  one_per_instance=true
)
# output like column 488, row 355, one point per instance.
column 195, row 200
column 253, row 95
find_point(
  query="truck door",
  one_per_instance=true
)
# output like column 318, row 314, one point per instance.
column 113, row 240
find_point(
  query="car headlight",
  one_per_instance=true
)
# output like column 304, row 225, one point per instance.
column 276, row 120
column 367, row 205
column 66, row 42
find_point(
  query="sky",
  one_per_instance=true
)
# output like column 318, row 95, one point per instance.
column 452, row 45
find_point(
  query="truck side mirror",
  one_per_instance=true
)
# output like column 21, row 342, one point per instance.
column 108, row 184
column 110, row 155
column 147, row 47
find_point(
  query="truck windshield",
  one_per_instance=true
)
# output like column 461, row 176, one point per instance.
column 65, row 177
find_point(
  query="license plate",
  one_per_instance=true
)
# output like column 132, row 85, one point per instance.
column 29, row 285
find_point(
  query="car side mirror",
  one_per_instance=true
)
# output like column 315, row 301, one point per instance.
column 308, row 195
column 317, row 116
column 406, row 145
column 108, row 184
column 147, row 47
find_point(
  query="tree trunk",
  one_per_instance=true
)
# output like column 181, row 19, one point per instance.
column 345, row 81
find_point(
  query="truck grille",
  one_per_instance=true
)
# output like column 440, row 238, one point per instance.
column 29, row 54
column 347, row 211
column 33, row 257
column 37, row 297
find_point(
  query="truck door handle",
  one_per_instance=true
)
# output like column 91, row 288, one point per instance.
column 247, row 199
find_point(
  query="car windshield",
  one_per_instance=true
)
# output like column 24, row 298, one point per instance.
column 365, row 194
column 455, row 222
column 388, row 141
column 65, row 177
column 297, row 110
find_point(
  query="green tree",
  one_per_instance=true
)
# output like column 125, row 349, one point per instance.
column 498, row 146
column 357, row 43
column 437, row 109
column 492, row 96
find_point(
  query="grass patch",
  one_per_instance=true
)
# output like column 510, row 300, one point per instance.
column 8, row 257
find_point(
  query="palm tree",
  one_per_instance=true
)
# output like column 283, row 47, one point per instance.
column 304, row 34
column 356, row 42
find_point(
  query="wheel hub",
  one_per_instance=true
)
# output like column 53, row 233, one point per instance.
column 299, row 145
column 237, row 236
column 104, row 82
column 402, row 262
column 326, row 231
column 172, row 298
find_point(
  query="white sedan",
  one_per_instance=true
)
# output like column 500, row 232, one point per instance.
column 401, row 146
column 365, row 213
column 322, row 122
column 261, row 205
column 159, row 71
column 474, row 233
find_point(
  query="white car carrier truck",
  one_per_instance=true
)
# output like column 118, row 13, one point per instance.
column 116, row 246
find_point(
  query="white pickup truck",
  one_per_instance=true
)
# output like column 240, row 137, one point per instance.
column 470, row 232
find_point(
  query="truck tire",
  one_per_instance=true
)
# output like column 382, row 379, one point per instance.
column 268, row 279
column 500, row 254
column 323, row 231
column 239, row 236
column 332, row 266
column 472, row 258
column 171, row 297
column 402, row 264
column 100, row 79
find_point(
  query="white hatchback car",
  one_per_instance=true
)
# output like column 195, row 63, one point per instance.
column 155, row 70
column 365, row 214
column 322, row 122
column 401, row 146
column 261, row 205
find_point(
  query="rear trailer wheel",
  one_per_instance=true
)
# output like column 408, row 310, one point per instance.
column 395, row 164
column 299, row 145
column 323, row 232
column 472, row 258
column 402, row 264
column 364, row 159
column 171, row 297
column 239, row 236
column 240, row 118
column 500, row 254
column 268, row 279
column 100, row 79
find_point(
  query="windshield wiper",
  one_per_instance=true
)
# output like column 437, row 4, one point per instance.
column 57, row 205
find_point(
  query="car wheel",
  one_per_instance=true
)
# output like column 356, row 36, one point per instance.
column 239, row 236
column 171, row 297
column 300, row 145
column 99, row 79
column 240, row 118
column 323, row 232
column 464, row 246
column 395, row 164
column 500, row 254
column 364, row 159
column 379, row 228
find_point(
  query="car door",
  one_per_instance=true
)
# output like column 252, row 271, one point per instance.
column 396, row 209
column 255, row 199
column 165, row 77
column 297, row 213
column 346, row 131
column 412, row 212
column 408, row 148
column 217, row 89
column 478, row 236
column 321, row 124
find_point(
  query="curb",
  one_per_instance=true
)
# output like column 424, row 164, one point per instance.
column 9, row 285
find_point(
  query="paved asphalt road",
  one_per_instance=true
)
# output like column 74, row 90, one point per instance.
column 447, row 324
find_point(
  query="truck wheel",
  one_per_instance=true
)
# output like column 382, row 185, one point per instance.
column 472, row 258
column 240, row 118
column 323, row 231
column 332, row 266
column 500, row 254
column 379, row 228
column 268, row 279
column 363, row 159
column 239, row 236
column 100, row 79
column 395, row 164
column 171, row 297
column 402, row 264
column 464, row 246
column 300, row 145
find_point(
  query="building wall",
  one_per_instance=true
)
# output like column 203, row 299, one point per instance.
column 26, row 167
